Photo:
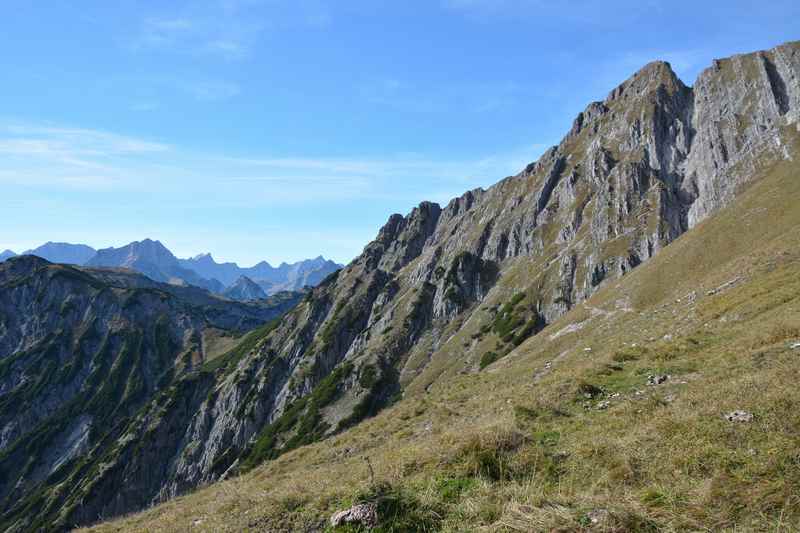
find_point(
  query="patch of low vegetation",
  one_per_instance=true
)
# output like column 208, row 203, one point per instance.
column 507, row 320
column 399, row 511
column 248, row 343
column 515, row 322
column 382, row 390
column 300, row 424
column 488, row 358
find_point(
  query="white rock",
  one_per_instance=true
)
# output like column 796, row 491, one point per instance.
column 739, row 416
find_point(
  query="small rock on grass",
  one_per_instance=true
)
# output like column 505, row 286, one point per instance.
column 597, row 516
column 739, row 416
column 657, row 380
column 363, row 514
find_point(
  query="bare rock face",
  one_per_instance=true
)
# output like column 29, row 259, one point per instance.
column 635, row 172
column 741, row 104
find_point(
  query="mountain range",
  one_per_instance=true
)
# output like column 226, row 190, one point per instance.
column 271, row 279
column 530, row 357
column 154, row 260
column 57, row 252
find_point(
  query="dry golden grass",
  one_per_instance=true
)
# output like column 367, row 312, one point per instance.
column 519, row 446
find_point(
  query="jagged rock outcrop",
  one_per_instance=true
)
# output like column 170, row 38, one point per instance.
column 493, row 267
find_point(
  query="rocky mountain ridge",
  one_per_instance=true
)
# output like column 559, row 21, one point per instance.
column 83, row 349
column 271, row 279
column 452, row 289
column 153, row 259
column 62, row 252
column 635, row 172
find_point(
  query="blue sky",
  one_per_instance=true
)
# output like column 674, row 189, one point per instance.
column 285, row 129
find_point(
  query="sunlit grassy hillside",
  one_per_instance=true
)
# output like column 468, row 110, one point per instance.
column 565, row 433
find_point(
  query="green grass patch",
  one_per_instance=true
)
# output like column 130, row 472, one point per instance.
column 250, row 341
column 488, row 358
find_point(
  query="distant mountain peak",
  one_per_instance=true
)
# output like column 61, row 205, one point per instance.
column 155, row 261
column 156, row 244
column 245, row 289
column 63, row 252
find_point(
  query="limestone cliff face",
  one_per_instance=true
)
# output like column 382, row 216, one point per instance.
column 635, row 172
column 741, row 106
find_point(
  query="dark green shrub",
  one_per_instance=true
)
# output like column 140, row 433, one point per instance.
column 488, row 358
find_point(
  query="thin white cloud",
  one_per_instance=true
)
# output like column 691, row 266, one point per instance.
column 77, row 158
column 121, row 178
column 228, row 37
column 85, row 159
column 63, row 178
column 210, row 91
column 28, row 139
column 226, row 29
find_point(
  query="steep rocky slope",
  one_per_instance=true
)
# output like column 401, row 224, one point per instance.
column 81, row 351
column 447, row 290
column 615, row 417
column 444, row 291
column 244, row 289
